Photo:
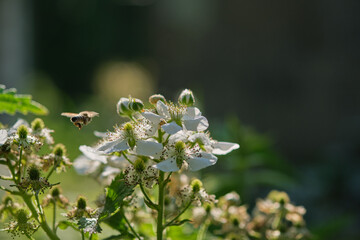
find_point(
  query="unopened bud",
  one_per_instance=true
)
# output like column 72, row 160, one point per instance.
column 34, row 173
column 55, row 192
column 280, row 197
column 21, row 216
column 196, row 185
column 155, row 98
column 122, row 107
column 136, row 105
column 22, row 132
column 187, row 98
column 81, row 203
column 59, row 150
column 37, row 124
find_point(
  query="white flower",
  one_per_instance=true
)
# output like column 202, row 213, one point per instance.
column 131, row 137
column 178, row 154
column 85, row 166
column 176, row 118
column 212, row 146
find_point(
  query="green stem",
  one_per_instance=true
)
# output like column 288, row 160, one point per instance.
column 54, row 216
column 202, row 231
column 128, row 159
column 146, row 196
column 9, row 191
column 160, row 227
column 43, row 223
column 177, row 216
column 19, row 172
column 52, row 170
column 128, row 223
column 10, row 166
column 82, row 235
column 38, row 205
column 6, row 178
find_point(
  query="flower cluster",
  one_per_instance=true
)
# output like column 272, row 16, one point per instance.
column 168, row 137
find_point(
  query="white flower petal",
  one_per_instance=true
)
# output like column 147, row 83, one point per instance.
column 148, row 148
column 191, row 113
column 93, row 154
column 201, row 137
column 108, row 171
column 162, row 109
column 3, row 136
column 171, row 128
column 85, row 166
column 198, row 124
column 100, row 134
column 152, row 117
column 206, row 160
column 169, row 165
column 222, row 148
column 119, row 162
column 179, row 136
column 114, row 146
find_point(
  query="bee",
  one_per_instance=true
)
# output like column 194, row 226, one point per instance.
column 80, row 119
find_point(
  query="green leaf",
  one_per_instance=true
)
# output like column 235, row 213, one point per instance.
column 89, row 225
column 150, row 205
column 115, row 195
column 65, row 224
column 10, row 103
column 114, row 237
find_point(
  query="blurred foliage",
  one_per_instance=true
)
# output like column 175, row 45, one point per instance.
column 10, row 103
column 256, row 164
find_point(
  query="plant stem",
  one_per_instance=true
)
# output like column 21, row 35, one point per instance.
column 54, row 216
column 182, row 211
column 82, row 235
column 9, row 191
column 128, row 223
column 19, row 171
column 128, row 159
column 146, row 196
column 202, row 231
column 42, row 221
column 160, row 227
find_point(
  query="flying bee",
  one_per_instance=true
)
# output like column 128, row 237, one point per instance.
column 80, row 119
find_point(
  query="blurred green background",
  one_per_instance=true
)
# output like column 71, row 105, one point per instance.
column 279, row 77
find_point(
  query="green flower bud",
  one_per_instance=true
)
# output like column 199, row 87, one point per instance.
column 59, row 150
column 81, row 203
column 278, row 196
column 55, row 192
column 155, row 98
column 136, row 105
column 34, row 173
column 139, row 165
column 37, row 124
column 187, row 98
column 21, row 216
column 123, row 108
column 22, row 132
column 196, row 185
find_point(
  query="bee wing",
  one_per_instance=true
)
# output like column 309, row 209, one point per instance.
column 67, row 114
column 89, row 113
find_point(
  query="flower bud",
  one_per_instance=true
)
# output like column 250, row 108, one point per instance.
column 187, row 98
column 155, row 98
column 196, row 185
column 55, row 192
column 37, row 124
column 33, row 173
column 139, row 165
column 81, row 203
column 136, row 105
column 22, row 132
column 59, row 150
column 21, row 216
column 122, row 107
column 278, row 196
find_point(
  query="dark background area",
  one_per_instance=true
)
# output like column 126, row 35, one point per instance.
column 289, row 69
